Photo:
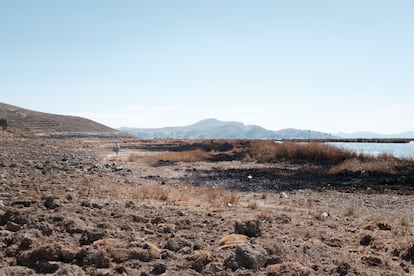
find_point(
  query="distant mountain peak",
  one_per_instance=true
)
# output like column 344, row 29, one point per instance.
column 215, row 129
column 208, row 122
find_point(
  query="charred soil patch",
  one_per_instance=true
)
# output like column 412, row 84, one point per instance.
column 274, row 179
column 289, row 167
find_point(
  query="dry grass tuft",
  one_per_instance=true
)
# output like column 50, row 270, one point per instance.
column 405, row 222
column 319, row 214
column 264, row 215
column 350, row 212
column 219, row 196
column 107, row 244
column 148, row 253
column 98, row 189
column 232, row 198
column 212, row 194
column 253, row 205
column 134, row 158
column 33, row 194
column 153, row 250
column 385, row 165
column 113, row 190
column 287, row 268
column 151, row 192
column 233, row 239
column 182, row 197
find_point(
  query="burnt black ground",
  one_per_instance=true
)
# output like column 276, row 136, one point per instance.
column 268, row 179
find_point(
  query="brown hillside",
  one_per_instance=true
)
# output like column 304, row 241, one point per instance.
column 40, row 123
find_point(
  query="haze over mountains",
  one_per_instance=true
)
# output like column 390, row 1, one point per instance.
column 213, row 128
column 40, row 123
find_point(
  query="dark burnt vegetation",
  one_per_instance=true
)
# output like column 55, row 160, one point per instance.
column 183, row 145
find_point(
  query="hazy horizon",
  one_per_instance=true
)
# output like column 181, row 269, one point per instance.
column 234, row 121
column 329, row 66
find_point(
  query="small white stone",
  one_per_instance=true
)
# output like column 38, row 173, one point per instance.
column 283, row 195
column 324, row 215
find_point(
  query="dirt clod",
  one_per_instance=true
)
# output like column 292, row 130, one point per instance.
column 249, row 228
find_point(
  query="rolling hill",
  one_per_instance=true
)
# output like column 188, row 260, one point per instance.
column 26, row 121
column 213, row 128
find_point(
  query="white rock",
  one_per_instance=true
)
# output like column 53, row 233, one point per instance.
column 324, row 215
column 283, row 195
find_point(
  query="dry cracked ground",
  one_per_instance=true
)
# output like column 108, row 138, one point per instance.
column 73, row 207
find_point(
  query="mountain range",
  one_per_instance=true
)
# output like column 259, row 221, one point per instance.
column 216, row 129
column 40, row 123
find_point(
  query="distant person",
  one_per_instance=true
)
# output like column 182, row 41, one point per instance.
column 116, row 148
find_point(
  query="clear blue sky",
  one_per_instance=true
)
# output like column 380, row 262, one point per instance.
column 324, row 65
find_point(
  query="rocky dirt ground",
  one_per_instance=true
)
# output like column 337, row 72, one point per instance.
column 73, row 207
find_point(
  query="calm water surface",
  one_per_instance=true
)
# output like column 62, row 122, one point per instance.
column 400, row 150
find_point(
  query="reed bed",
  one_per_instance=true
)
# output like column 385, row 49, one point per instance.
column 268, row 151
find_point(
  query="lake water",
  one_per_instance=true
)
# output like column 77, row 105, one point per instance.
column 400, row 150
